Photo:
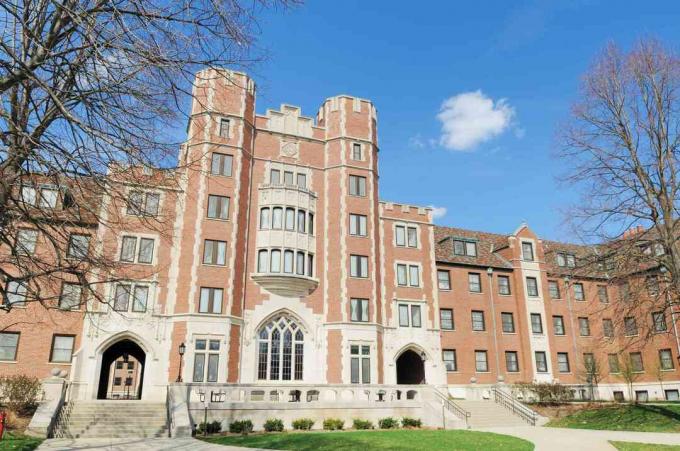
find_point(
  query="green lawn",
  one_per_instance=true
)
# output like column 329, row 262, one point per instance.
column 632, row 446
column 626, row 417
column 18, row 443
column 377, row 440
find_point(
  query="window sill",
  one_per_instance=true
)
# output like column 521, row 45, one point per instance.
column 217, row 219
column 505, row 295
column 214, row 265
column 482, row 372
column 59, row 363
column 9, row 361
column 447, row 330
column 509, row 333
column 475, row 292
column 444, row 289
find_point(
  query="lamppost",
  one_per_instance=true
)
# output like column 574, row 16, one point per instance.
column 182, row 349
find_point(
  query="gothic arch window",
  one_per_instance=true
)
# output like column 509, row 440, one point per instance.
column 280, row 350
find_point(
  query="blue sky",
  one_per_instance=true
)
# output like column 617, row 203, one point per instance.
column 494, row 167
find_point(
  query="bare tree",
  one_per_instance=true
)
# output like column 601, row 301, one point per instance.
column 88, row 90
column 591, row 373
column 621, row 147
column 629, row 373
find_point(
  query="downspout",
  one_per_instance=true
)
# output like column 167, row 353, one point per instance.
column 499, row 377
column 567, row 286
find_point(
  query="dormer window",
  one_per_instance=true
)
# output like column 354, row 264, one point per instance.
column 466, row 248
column 527, row 251
column 44, row 196
column 566, row 260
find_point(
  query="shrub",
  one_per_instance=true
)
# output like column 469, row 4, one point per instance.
column 388, row 423
column 411, row 422
column 241, row 427
column 273, row 425
column 333, row 424
column 212, row 428
column 362, row 424
column 303, row 424
column 544, row 392
column 20, row 393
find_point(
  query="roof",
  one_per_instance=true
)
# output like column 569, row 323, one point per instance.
column 487, row 246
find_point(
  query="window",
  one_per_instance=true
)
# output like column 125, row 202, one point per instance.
column 672, row 395
column 412, row 234
column 300, row 263
column 78, row 246
column 508, row 322
column 624, row 291
column 630, row 326
column 302, row 181
column 275, row 261
column 218, row 207
column 358, row 310
column 584, row 327
column 414, row 319
column 558, row 325
column 449, row 358
column 262, row 260
column 446, row 319
column 478, row 321
column 527, row 251
column 301, row 219
column 403, row 315
column 129, row 252
column 357, row 185
column 71, row 296
column 288, row 178
column 310, row 227
column 563, row 362
column 117, row 381
column 9, row 343
column 511, row 362
column 357, row 225
column 554, row 289
column 221, row 164
column 224, row 128
column 532, row 287
column 26, row 241
column 119, row 365
column 15, row 293
column 280, row 350
column 652, row 283
column 358, row 266
column 602, row 294
column 48, row 197
column 211, row 300
column 28, row 195
column 62, row 348
column 659, row 321
column 504, row 285
column 665, row 359
column 536, row 323
column 277, row 218
column 481, row 362
column 310, row 265
column 360, row 364
column 467, row 248
column 288, row 261
column 443, row 279
column 578, row 292
column 568, row 260
column 356, row 152
column 636, row 362
column 608, row 328
column 214, row 252
column 123, row 291
column 290, row 219
column 474, row 282
column 206, row 360
column 143, row 204
column 613, row 361
column 400, row 235
column 541, row 362
column 275, row 177
column 413, row 276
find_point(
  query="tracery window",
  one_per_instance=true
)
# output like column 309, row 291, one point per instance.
column 280, row 350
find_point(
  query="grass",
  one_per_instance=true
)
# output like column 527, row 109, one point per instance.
column 625, row 417
column 18, row 442
column 632, row 446
column 377, row 440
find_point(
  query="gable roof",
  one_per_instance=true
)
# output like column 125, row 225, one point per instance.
column 487, row 246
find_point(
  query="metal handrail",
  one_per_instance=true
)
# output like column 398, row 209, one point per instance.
column 453, row 407
column 58, row 428
column 516, row 407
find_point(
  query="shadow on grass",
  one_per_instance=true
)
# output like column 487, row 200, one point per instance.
column 661, row 410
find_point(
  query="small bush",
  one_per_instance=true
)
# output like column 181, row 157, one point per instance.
column 241, row 427
column 411, row 422
column 362, row 424
column 273, row 425
column 212, row 428
column 388, row 423
column 303, row 424
column 20, row 393
column 333, row 424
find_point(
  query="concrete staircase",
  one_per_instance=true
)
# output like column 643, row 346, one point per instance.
column 114, row 419
column 486, row 413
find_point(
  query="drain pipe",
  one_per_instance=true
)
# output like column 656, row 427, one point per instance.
column 567, row 289
column 499, row 377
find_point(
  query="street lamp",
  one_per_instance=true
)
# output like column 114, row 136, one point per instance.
column 182, row 349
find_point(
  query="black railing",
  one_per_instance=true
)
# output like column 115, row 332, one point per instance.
column 454, row 408
column 514, row 406
column 58, row 429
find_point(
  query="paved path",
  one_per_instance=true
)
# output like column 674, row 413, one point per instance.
column 554, row 439
column 133, row 444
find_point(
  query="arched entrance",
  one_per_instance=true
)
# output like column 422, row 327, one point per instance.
column 410, row 368
column 122, row 371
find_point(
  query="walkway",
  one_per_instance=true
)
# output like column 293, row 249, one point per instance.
column 133, row 444
column 554, row 439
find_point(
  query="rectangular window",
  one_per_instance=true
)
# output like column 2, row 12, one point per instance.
column 221, row 164
column 121, row 299
column 636, row 362
column 402, row 275
column 466, row 248
column 302, row 181
column 26, row 241
column 415, row 316
column 554, row 289
column 9, row 343
column 541, row 362
column 28, row 195
column 71, row 296
column 358, row 266
column 413, row 276
column 602, row 294
column 128, row 249
column 536, row 324
column 214, row 252
column 449, row 358
column 357, row 225
column 211, row 300
column 443, row 279
column 511, row 362
column 563, row 362
column 532, row 287
column 224, row 128
column 141, row 203
column 508, row 322
column 140, row 296
column 578, row 292
column 504, row 285
column 608, row 328
column 672, row 395
column 356, row 152
column 558, row 325
column 206, row 360
column 446, row 319
column 274, row 177
column 357, row 185
column 481, row 362
column 630, row 326
column 659, row 321
column 78, row 246
column 412, row 235
column 613, row 361
column 145, row 254
column 288, row 261
column 360, row 364
column 403, row 315
column 62, row 348
column 400, row 235
column 409, row 314
column 218, row 207
column 288, row 178
column 527, row 251
column 478, row 321
column 584, row 326
column 358, row 310
column 15, row 293
column 652, row 283
column 474, row 282
column 48, row 197
column 666, row 359
column 275, row 261
column 290, row 219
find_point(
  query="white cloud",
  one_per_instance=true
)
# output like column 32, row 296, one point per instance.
column 471, row 118
column 438, row 212
column 416, row 142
